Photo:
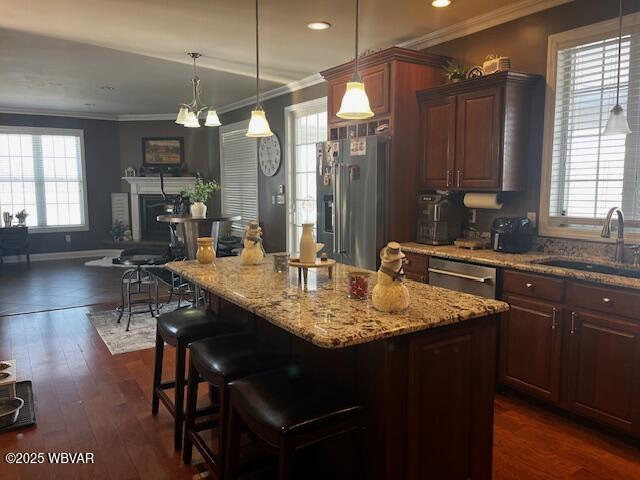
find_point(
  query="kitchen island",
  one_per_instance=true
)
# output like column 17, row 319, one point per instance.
column 425, row 376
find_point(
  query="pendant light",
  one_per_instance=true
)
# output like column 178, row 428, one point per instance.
column 189, row 112
column 617, row 123
column 258, row 125
column 355, row 103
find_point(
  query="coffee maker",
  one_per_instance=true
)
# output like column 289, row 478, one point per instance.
column 439, row 218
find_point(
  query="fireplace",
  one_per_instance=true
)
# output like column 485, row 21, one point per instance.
column 150, row 229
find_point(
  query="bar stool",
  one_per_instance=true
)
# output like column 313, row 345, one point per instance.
column 220, row 360
column 287, row 410
column 178, row 329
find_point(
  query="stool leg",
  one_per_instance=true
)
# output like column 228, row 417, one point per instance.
column 181, row 351
column 190, row 416
column 223, row 426
column 233, row 444
column 157, row 374
column 286, row 458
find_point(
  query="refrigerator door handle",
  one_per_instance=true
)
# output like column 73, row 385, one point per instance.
column 336, row 208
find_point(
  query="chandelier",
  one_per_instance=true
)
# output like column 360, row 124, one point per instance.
column 189, row 113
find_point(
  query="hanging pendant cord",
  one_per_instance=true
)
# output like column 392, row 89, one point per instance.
column 257, row 61
column 619, row 53
column 355, row 74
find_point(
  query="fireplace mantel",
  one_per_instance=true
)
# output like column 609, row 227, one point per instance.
column 151, row 186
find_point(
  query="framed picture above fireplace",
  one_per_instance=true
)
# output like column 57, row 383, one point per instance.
column 163, row 151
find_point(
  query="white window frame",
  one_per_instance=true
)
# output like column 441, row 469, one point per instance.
column 243, row 125
column 560, row 41
column 292, row 112
column 24, row 130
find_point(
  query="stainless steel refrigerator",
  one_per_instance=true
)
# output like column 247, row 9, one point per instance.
column 352, row 198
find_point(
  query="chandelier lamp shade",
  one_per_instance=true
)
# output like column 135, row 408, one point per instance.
column 355, row 103
column 617, row 123
column 189, row 113
column 258, row 125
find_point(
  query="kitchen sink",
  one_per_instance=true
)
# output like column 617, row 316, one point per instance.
column 592, row 267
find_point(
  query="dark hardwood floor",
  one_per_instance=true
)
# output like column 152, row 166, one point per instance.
column 55, row 284
column 88, row 400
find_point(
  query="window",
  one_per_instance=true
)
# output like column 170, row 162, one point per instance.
column 239, row 175
column 42, row 172
column 306, row 126
column 586, row 173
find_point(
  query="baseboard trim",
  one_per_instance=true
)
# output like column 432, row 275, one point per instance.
column 43, row 257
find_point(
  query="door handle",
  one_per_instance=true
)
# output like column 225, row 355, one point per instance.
column 336, row 204
column 460, row 275
column 458, row 178
column 574, row 315
column 554, row 315
column 448, row 178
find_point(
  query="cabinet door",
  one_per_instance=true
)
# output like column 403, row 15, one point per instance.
column 530, row 343
column 478, row 137
column 438, row 142
column 376, row 84
column 604, row 375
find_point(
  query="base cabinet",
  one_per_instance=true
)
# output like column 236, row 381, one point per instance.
column 581, row 352
column 604, row 369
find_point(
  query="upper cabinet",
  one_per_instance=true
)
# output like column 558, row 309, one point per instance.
column 376, row 84
column 474, row 133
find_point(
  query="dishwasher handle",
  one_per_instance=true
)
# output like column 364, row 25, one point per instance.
column 461, row 275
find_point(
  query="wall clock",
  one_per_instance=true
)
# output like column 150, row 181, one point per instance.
column 269, row 155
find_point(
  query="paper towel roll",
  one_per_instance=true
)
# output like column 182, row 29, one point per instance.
column 482, row 200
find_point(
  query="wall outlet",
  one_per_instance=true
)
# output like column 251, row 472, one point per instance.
column 533, row 217
column 67, row 238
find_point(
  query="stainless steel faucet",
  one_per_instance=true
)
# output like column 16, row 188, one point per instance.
column 606, row 232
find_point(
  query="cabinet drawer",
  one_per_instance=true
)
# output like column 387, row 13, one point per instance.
column 604, row 299
column 416, row 266
column 531, row 285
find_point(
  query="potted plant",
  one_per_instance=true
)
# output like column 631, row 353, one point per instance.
column 455, row 72
column 22, row 217
column 199, row 195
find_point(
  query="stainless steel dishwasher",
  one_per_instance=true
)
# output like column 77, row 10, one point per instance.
column 463, row 277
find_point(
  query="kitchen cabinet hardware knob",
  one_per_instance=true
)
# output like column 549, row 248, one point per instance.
column 574, row 315
column 606, row 300
column 554, row 314
column 528, row 285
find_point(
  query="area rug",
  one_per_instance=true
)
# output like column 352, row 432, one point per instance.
column 141, row 334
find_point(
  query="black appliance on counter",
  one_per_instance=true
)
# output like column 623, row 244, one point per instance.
column 439, row 218
column 511, row 235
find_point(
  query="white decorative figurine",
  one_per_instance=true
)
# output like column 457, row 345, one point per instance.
column 253, row 252
column 390, row 294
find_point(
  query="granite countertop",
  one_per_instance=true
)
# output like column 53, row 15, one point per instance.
column 323, row 314
column 528, row 262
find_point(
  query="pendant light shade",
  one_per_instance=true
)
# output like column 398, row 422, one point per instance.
column 183, row 115
column 617, row 123
column 355, row 103
column 258, row 125
column 192, row 121
column 212, row 119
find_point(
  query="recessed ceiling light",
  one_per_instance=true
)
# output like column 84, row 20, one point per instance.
column 319, row 25
column 107, row 87
column 441, row 3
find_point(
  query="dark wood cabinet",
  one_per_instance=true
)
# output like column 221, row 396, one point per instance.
column 416, row 267
column 392, row 77
column 474, row 133
column 14, row 240
column 604, row 369
column 530, row 347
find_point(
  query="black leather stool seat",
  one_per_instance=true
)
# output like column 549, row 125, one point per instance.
column 233, row 356
column 290, row 402
column 190, row 324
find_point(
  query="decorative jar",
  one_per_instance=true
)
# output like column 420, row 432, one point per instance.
column 206, row 253
column 358, row 285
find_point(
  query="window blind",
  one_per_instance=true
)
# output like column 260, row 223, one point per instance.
column 41, row 171
column 239, row 177
column 590, row 172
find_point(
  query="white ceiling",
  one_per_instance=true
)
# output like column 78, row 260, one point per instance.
column 55, row 54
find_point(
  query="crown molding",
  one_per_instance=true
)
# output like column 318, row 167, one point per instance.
column 59, row 113
column 498, row 16
column 145, row 117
